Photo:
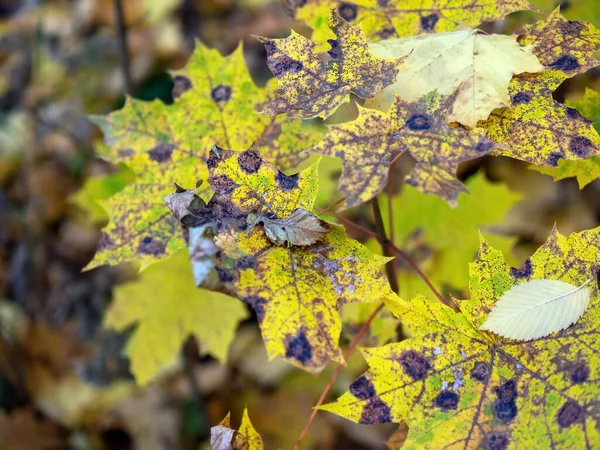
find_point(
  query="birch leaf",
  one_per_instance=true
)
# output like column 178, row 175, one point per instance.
column 312, row 87
column 300, row 228
column 478, row 66
column 537, row 308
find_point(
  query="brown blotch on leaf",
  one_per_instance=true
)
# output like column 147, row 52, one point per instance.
column 285, row 64
column 162, row 152
column 181, row 85
column 298, row 347
column 287, row 182
column 480, row 371
column 105, row 242
column 580, row 373
column 250, row 161
column 222, row 184
column 246, row 262
column 414, row 364
column 505, row 407
column 521, row 98
column 568, row 414
column 225, row 276
column 446, row 400
column 375, row 411
column 258, row 305
column 126, row 153
column 566, row 63
column 496, row 441
column 150, row 246
column 362, row 388
column 581, row 146
column 428, row 22
column 523, row 272
column 348, row 11
column 221, row 93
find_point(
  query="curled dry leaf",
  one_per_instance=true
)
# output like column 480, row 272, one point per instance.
column 300, row 228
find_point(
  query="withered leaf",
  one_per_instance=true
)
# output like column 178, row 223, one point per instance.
column 300, row 228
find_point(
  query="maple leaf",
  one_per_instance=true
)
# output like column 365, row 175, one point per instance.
column 586, row 170
column 296, row 291
column 312, row 87
column 482, row 390
column 216, row 101
column 397, row 18
column 167, row 307
column 223, row 437
column 443, row 240
column 367, row 144
column 475, row 66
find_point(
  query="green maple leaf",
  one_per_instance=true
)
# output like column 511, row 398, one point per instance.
column 216, row 102
column 399, row 18
column 311, row 87
column 457, row 386
column 167, row 308
column 296, row 291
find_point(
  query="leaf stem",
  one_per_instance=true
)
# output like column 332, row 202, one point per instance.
column 385, row 245
column 123, row 50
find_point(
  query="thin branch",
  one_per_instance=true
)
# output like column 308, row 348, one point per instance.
column 122, row 30
column 385, row 245
column 331, row 206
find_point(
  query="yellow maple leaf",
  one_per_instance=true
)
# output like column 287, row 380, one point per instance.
column 312, row 87
column 482, row 390
column 398, row 18
column 167, row 308
column 478, row 67
column 216, row 102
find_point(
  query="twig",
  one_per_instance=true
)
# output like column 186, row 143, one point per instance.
column 331, row 206
column 385, row 244
column 122, row 30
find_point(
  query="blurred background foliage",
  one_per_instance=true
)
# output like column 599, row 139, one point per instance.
column 63, row 381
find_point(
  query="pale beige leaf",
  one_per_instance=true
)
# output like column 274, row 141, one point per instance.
column 202, row 252
column 301, row 227
column 537, row 308
column 221, row 437
column 178, row 203
column 479, row 66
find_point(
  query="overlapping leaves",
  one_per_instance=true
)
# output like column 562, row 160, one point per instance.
column 450, row 380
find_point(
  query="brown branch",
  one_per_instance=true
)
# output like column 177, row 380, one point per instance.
column 385, row 245
column 123, row 50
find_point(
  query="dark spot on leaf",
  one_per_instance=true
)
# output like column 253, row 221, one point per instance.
column 480, row 371
column 571, row 28
column 258, row 305
column 362, row 388
column 348, row 11
column 222, row 184
column 162, row 152
column 414, row 364
column 505, row 407
column 566, row 63
column 126, row 153
column 213, row 160
column 149, row 246
column 564, row 5
column 246, row 262
column 574, row 114
column 581, row 146
column 287, row 182
column 387, row 32
column 418, row 122
column 484, row 146
column 221, row 93
column 446, row 400
column 553, row 159
column 105, row 242
column 580, row 373
column 521, row 98
column 375, row 411
column 568, row 414
column 383, row 3
column 496, row 441
column 181, row 85
column 250, row 161
column 335, row 48
column 299, row 348
column 285, row 64
column 428, row 22
column 225, row 276
column 523, row 272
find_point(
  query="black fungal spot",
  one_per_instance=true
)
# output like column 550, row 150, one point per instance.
column 428, row 22
column 553, row 159
column 496, row 441
column 221, row 93
column 162, row 152
column 375, row 411
column 258, row 305
column 181, row 85
column 418, row 122
column 287, row 182
column 213, row 159
column 574, row 114
column 580, row 373
column 246, row 262
column 383, row 3
column 568, row 414
column 335, row 48
column 414, row 364
column 149, row 246
column 523, row 272
column 105, row 242
column 505, row 407
column 581, row 146
column 446, row 400
column 222, row 184
column 250, row 161
column 362, row 388
column 566, row 63
column 484, row 146
column 348, row 11
column 480, row 371
column 299, row 348
column 521, row 98
column 285, row 64
column 225, row 276
column 387, row 32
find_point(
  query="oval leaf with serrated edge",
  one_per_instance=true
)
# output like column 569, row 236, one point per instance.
column 537, row 308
